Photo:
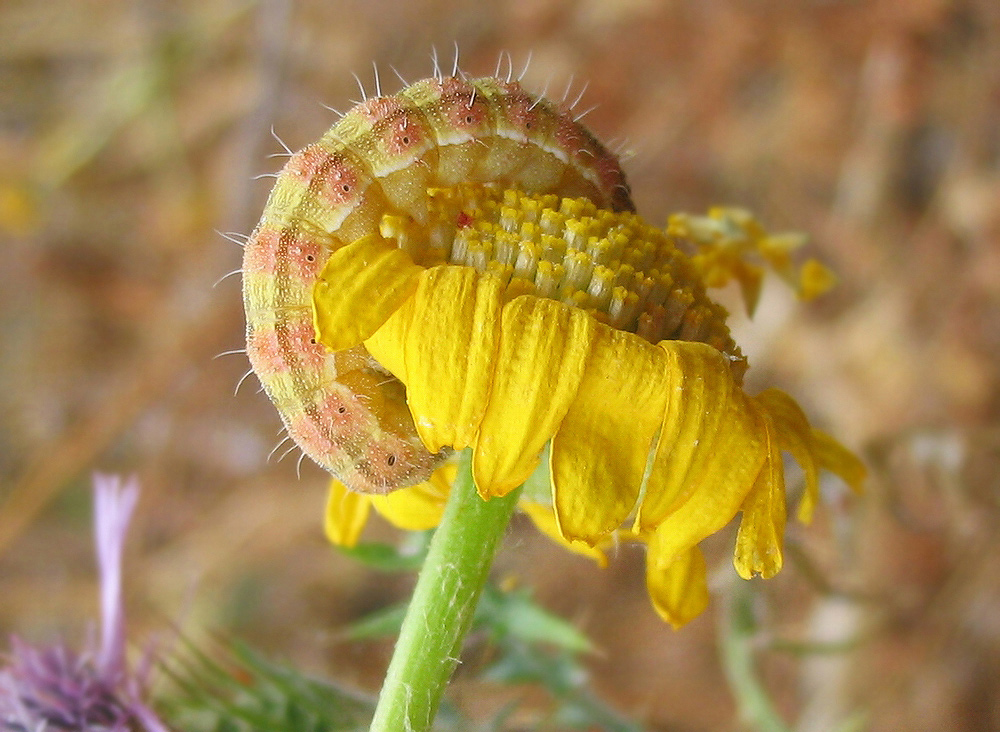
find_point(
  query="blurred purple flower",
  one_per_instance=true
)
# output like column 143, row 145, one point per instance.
column 56, row 688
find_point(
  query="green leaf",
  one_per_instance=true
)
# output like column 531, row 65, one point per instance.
column 379, row 624
column 516, row 614
column 244, row 692
column 409, row 557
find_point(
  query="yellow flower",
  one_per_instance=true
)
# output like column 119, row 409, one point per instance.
column 525, row 326
column 726, row 237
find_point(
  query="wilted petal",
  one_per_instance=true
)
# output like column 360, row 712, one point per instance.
column 796, row 436
column 760, row 538
column 729, row 239
column 543, row 351
column 456, row 344
column 710, row 449
column 750, row 279
column 596, row 475
column 677, row 584
column 836, row 458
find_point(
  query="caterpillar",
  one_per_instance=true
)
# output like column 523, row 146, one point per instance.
column 381, row 158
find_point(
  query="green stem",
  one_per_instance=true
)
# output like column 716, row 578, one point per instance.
column 739, row 630
column 443, row 604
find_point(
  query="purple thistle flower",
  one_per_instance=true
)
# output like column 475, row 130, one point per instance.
column 54, row 688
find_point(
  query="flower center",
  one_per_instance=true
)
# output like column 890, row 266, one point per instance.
column 618, row 268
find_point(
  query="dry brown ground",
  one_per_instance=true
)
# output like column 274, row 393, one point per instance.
column 131, row 131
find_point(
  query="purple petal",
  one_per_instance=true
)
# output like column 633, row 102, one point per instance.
column 113, row 506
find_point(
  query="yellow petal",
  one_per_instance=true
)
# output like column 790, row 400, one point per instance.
column 761, row 535
column 838, row 459
column 359, row 288
column 388, row 344
column 710, row 448
column 418, row 507
column 751, row 279
column 815, row 279
column 346, row 515
column 601, row 450
column 795, row 435
column 544, row 347
column 545, row 520
column 721, row 485
column 450, row 357
column 678, row 586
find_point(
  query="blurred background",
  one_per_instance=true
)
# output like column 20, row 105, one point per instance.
column 131, row 133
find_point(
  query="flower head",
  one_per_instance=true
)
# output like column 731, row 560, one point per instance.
column 524, row 326
column 56, row 688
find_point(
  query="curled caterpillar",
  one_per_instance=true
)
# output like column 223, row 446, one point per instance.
column 342, row 409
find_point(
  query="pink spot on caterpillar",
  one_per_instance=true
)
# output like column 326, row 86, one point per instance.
column 265, row 353
column 333, row 409
column 338, row 424
column 307, row 163
column 575, row 142
column 299, row 254
column 403, row 133
column 464, row 110
column 397, row 138
column 339, row 184
column 261, row 254
column 300, row 338
column 377, row 108
column 306, row 257
column 387, row 462
column 523, row 117
column 331, row 176
column 379, row 456
column 314, row 438
column 286, row 347
column 331, row 425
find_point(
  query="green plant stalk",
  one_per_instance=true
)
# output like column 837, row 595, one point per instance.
column 755, row 706
column 443, row 604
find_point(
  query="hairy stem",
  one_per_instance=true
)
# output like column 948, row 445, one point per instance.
column 443, row 604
